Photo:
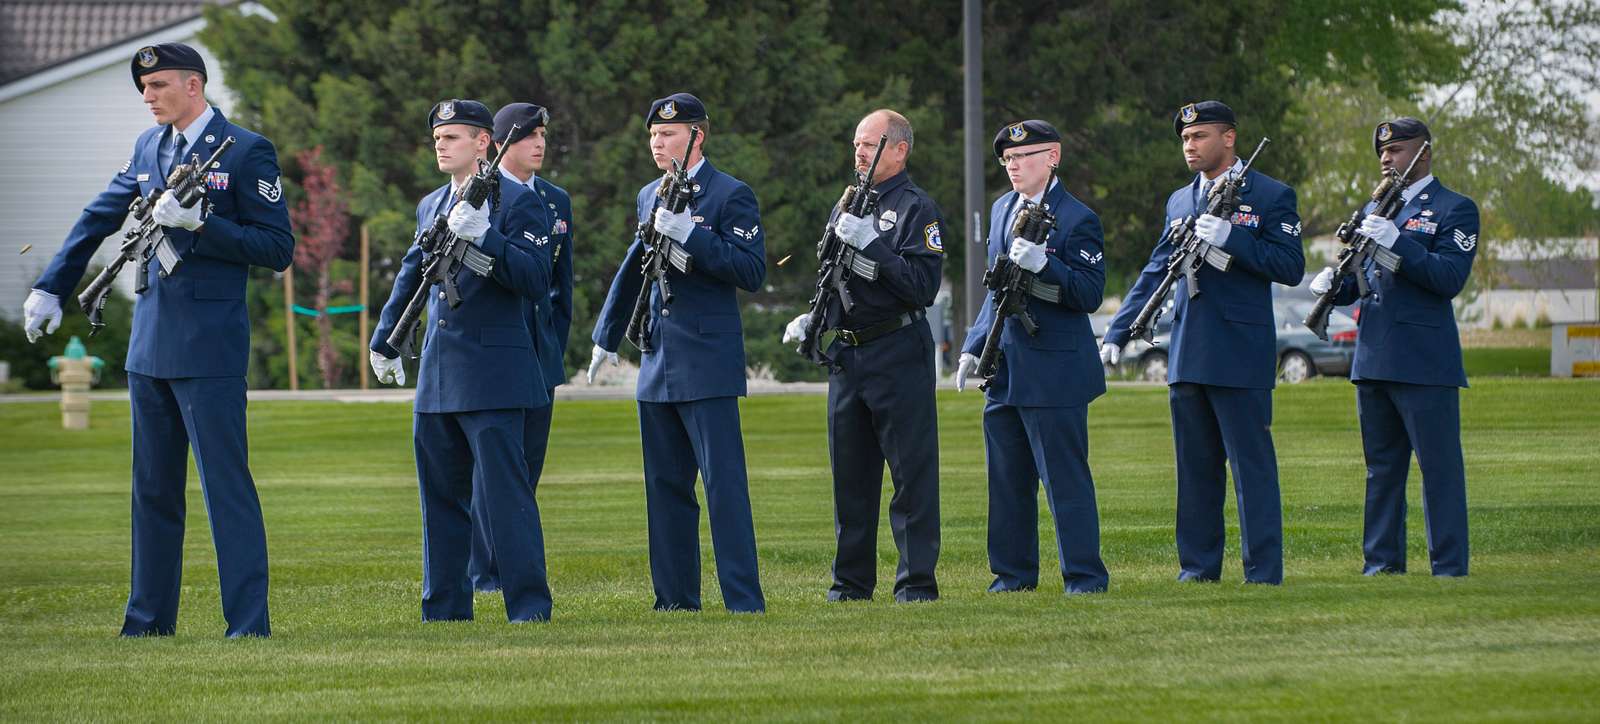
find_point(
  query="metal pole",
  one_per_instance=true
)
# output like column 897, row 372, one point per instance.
column 361, row 342
column 972, row 121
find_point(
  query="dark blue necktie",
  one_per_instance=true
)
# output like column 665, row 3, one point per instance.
column 178, row 145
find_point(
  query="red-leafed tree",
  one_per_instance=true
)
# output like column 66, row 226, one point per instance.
column 322, row 226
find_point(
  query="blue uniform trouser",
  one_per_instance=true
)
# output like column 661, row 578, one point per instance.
column 1215, row 428
column 481, row 565
column 170, row 417
column 881, row 408
column 1022, row 446
column 681, row 440
column 453, row 450
column 1396, row 419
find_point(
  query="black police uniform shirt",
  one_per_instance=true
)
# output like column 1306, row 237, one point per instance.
column 909, row 252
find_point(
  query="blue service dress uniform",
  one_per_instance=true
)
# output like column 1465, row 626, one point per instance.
column 186, row 363
column 881, row 400
column 1408, row 374
column 474, row 386
column 688, row 392
column 549, row 319
column 1036, row 420
column 1220, row 375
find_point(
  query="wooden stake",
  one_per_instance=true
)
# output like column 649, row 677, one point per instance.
column 288, row 325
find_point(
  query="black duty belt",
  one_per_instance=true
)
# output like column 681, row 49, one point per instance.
column 854, row 337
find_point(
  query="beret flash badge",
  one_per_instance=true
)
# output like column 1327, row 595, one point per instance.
column 668, row 111
column 447, row 110
column 147, row 57
column 1385, row 133
column 1188, row 113
column 1018, row 133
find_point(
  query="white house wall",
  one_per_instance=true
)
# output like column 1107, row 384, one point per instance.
column 60, row 146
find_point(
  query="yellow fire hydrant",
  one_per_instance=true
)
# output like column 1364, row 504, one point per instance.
column 75, row 371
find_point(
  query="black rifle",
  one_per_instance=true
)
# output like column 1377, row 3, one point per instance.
column 445, row 253
column 1190, row 251
column 146, row 240
column 1012, row 285
column 833, row 271
column 1388, row 199
column 660, row 251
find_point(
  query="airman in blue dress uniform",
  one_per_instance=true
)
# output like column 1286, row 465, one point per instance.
column 691, row 380
column 1036, row 420
column 190, row 345
column 549, row 317
column 476, row 382
column 1223, row 358
column 1408, row 370
column 881, row 389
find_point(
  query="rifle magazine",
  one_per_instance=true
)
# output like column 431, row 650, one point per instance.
column 1387, row 259
column 680, row 259
column 475, row 260
column 1218, row 259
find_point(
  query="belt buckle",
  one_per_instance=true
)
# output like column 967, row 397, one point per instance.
column 849, row 337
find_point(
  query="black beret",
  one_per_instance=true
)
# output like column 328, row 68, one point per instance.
column 1024, row 133
column 166, row 56
column 1399, row 129
column 525, row 116
column 676, row 108
column 471, row 113
column 1201, row 113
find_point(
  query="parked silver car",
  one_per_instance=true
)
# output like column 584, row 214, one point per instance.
column 1301, row 354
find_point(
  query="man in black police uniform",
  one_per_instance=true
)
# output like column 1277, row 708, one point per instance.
column 190, row 344
column 881, row 393
column 1408, row 371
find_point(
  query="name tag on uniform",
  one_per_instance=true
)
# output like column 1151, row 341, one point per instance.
column 1426, row 227
column 143, row 177
column 1241, row 218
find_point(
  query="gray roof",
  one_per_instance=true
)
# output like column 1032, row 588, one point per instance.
column 39, row 34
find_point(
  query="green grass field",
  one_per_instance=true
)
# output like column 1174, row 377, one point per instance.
column 1519, row 639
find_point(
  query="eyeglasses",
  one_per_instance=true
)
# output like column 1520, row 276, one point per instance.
column 1007, row 159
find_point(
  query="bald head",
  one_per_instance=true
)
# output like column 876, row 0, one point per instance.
column 883, row 122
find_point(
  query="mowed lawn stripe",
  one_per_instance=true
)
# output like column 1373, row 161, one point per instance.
column 1520, row 638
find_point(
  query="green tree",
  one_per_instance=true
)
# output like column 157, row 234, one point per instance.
column 785, row 83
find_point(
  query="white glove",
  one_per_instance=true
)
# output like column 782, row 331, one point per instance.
column 856, row 231
column 675, row 226
column 1027, row 254
column 1322, row 282
column 966, row 366
column 388, row 371
column 796, row 330
column 1380, row 230
column 1110, row 354
column 469, row 223
column 39, row 307
column 1214, row 229
column 170, row 213
column 600, row 355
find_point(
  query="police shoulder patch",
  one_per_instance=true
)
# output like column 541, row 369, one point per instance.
column 932, row 238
